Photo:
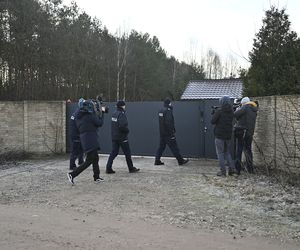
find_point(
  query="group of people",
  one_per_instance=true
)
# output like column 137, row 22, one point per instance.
column 87, row 119
column 223, row 119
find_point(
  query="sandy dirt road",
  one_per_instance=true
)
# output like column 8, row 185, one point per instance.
column 162, row 207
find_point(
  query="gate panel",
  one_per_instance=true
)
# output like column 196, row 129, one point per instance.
column 190, row 118
column 209, row 139
column 188, row 128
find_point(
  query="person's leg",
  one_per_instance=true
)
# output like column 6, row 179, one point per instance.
column 228, row 158
column 159, row 152
column 80, row 154
column 239, row 151
column 77, row 152
column 88, row 161
column 220, row 147
column 96, row 169
column 126, row 150
column 73, row 156
column 112, row 156
column 248, row 153
column 172, row 143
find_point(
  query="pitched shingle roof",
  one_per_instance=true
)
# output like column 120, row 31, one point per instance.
column 213, row 89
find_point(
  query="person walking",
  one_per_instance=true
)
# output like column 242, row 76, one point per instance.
column 88, row 120
column 119, row 136
column 167, row 134
column 76, row 149
column 244, row 130
column 222, row 119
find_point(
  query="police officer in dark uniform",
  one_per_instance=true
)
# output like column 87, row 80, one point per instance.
column 167, row 134
column 76, row 149
column 119, row 135
column 88, row 120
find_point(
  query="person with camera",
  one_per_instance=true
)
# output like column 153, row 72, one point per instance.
column 119, row 135
column 76, row 149
column 243, row 132
column 167, row 134
column 88, row 120
column 222, row 118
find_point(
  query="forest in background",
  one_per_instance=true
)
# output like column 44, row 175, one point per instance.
column 50, row 51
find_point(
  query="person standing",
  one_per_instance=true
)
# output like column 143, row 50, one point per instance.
column 76, row 149
column 119, row 136
column 222, row 119
column 244, row 130
column 88, row 120
column 167, row 134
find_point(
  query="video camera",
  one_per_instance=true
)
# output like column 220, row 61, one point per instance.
column 236, row 103
column 93, row 105
column 214, row 108
column 99, row 105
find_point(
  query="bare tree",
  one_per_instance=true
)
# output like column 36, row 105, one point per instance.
column 216, row 67
column 122, row 38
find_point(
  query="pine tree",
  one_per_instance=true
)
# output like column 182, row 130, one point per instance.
column 274, row 66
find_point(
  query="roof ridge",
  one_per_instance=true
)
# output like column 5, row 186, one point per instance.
column 213, row 88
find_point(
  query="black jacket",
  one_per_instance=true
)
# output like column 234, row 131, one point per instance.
column 119, row 126
column 246, row 117
column 222, row 119
column 87, row 124
column 166, row 122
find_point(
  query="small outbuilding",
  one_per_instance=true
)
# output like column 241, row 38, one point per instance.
column 205, row 94
column 212, row 89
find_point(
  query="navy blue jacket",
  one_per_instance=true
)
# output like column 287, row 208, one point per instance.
column 246, row 117
column 166, row 122
column 119, row 126
column 74, row 132
column 87, row 124
column 223, row 119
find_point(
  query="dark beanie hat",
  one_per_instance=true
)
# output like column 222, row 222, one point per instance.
column 167, row 101
column 120, row 103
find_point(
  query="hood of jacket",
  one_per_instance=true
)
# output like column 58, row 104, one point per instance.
column 252, row 106
column 225, row 103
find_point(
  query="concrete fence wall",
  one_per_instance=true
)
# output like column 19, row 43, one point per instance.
column 40, row 127
column 277, row 134
column 33, row 126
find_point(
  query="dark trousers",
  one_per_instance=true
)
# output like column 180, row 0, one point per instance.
column 244, row 143
column 115, row 151
column 76, row 153
column 223, row 153
column 91, row 158
column 171, row 142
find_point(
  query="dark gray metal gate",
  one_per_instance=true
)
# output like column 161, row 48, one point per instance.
column 194, row 131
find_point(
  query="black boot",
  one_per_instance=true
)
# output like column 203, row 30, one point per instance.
column 231, row 171
column 158, row 163
column 134, row 170
column 221, row 174
column 184, row 161
column 110, row 171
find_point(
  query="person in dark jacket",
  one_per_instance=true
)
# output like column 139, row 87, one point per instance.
column 223, row 119
column 167, row 134
column 119, row 136
column 88, row 120
column 244, row 130
column 76, row 149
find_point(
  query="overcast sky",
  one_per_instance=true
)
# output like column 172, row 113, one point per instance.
column 191, row 27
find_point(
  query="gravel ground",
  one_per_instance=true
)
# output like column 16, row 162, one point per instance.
column 161, row 207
